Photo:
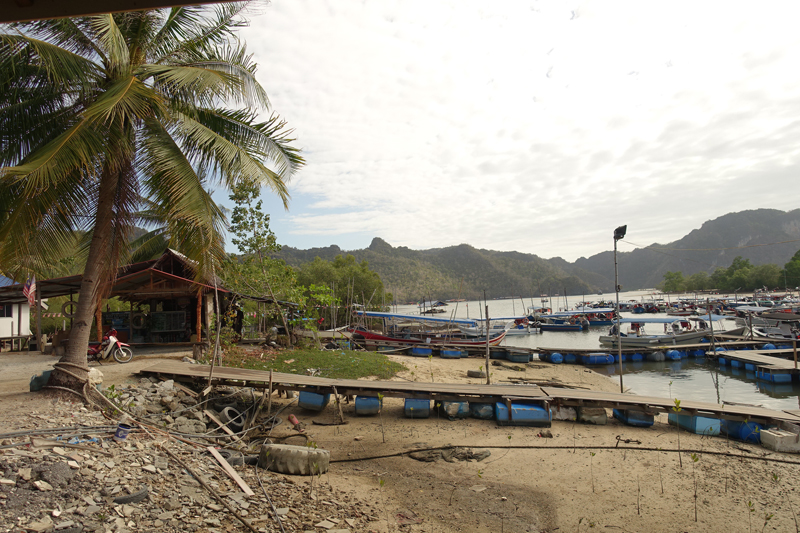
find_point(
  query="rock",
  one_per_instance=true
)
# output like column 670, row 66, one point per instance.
column 42, row 525
column 95, row 376
column 149, row 468
column 325, row 524
column 42, row 485
column 592, row 415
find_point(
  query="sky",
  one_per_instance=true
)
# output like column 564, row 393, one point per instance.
column 531, row 126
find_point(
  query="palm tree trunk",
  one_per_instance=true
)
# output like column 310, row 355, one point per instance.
column 72, row 369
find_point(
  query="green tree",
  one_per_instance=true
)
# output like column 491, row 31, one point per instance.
column 673, row 282
column 103, row 116
column 791, row 270
column 699, row 281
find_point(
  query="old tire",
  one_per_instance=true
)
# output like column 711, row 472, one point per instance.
column 136, row 497
column 234, row 458
column 296, row 460
column 476, row 374
column 232, row 418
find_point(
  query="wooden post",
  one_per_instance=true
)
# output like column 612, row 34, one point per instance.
column 488, row 379
column 98, row 317
column 794, row 351
column 199, row 328
column 130, row 323
column 269, row 398
column 39, row 343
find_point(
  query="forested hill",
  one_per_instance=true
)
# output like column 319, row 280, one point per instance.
column 464, row 271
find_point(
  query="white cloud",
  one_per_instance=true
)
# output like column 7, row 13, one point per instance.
column 529, row 126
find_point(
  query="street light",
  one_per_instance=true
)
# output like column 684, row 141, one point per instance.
column 619, row 233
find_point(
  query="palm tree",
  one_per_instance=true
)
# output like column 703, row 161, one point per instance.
column 107, row 116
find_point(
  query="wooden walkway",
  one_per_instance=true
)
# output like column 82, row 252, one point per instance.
column 465, row 392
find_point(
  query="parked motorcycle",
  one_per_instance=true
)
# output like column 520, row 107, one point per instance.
column 110, row 347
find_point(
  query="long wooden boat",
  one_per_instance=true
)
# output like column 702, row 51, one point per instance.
column 423, row 338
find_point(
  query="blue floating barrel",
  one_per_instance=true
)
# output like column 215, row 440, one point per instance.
column 736, row 364
column 746, row 431
column 684, row 354
column 722, row 361
column 783, row 346
column 483, row 411
column 519, row 357
column 699, row 425
column 637, row 357
column 522, row 414
column 697, row 353
column 556, row 358
column 570, row 358
column 673, row 355
column 450, row 354
column 720, row 349
column 656, row 357
column 768, row 346
column 597, row 359
column 418, row 351
column 632, row 417
column 774, row 378
column 417, row 408
column 313, row 401
column 455, row 410
column 367, row 405
column 498, row 354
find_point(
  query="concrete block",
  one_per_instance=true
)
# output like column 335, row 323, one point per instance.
column 780, row 440
column 563, row 413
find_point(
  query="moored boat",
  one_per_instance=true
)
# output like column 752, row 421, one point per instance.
column 676, row 332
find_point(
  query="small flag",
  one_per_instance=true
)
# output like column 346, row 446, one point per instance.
column 29, row 290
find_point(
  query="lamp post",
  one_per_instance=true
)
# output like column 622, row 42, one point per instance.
column 619, row 233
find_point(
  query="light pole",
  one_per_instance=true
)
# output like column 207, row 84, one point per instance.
column 619, row 233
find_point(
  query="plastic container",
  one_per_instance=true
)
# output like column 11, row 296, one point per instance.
column 367, row 405
column 450, row 354
column 522, row 414
column 498, row 354
column 482, row 411
column 768, row 346
column 418, row 351
column 39, row 380
column 672, row 355
column 746, row 431
column 313, row 401
column 637, row 358
column 634, row 418
column 122, row 432
column 417, row 408
column 570, row 358
column 775, row 378
column 700, row 425
column 455, row 410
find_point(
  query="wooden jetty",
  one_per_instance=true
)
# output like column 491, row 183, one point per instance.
column 465, row 392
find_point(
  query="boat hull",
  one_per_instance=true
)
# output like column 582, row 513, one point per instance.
column 448, row 341
column 654, row 340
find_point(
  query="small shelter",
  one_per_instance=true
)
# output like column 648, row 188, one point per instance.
column 167, row 303
column 14, row 319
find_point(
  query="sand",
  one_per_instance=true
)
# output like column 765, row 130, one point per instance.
column 528, row 483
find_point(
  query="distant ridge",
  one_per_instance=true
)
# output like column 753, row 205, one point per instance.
column 464, row 271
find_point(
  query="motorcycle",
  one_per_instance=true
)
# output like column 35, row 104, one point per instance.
column 110, row 347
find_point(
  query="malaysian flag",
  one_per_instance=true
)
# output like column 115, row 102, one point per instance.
column 29, row 290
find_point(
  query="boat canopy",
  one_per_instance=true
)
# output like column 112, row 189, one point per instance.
column 432, row 303
column 587, row 311
column 670, row 319
column 754, row 308
column 417, row 318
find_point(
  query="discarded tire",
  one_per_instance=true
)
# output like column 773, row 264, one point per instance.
column 476, row 374
column 222, row 403
column 136, row 497
column 232, row 418
column 233, row 457
column 297, row 460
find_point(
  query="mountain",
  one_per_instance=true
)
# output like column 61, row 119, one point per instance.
column 715, row 244
column 465, row 272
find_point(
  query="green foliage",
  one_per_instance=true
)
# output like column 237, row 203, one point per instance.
column 343, row 364
column 673, row 282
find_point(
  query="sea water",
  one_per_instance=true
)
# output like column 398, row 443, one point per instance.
column 691, row 379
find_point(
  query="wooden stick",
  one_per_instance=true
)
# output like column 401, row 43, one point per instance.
column 230, row 471
column 214, row 493
column 225, row 428
column 269, row 400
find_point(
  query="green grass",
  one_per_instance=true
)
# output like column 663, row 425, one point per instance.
column 343, row 364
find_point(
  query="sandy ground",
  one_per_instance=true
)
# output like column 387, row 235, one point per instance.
column 571, row 482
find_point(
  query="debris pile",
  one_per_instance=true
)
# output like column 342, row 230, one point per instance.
column 64, row 472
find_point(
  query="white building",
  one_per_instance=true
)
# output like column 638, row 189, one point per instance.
column 15, row 317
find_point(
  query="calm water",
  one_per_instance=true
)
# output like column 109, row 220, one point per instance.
column 695, row 379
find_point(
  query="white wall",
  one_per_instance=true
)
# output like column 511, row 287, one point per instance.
column 20, row 320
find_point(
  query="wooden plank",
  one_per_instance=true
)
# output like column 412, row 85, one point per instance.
column 231, row 472
column 225, row 428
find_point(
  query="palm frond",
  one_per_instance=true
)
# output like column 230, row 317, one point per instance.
column 72, row 34
column 208, row 31
column 59, row 66
column 112, row 42
column 123, row 101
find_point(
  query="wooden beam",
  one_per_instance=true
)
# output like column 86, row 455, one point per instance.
column 231, row 472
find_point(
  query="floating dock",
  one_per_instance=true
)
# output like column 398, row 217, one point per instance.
column 240, row 377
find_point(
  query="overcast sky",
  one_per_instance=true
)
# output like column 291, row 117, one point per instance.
column 530, row 126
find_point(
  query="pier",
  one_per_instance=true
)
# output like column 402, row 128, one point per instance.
column 239, row 377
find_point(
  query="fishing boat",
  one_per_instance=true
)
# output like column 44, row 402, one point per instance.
column 512, row 325
column 680, row 331
column 416, row 329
